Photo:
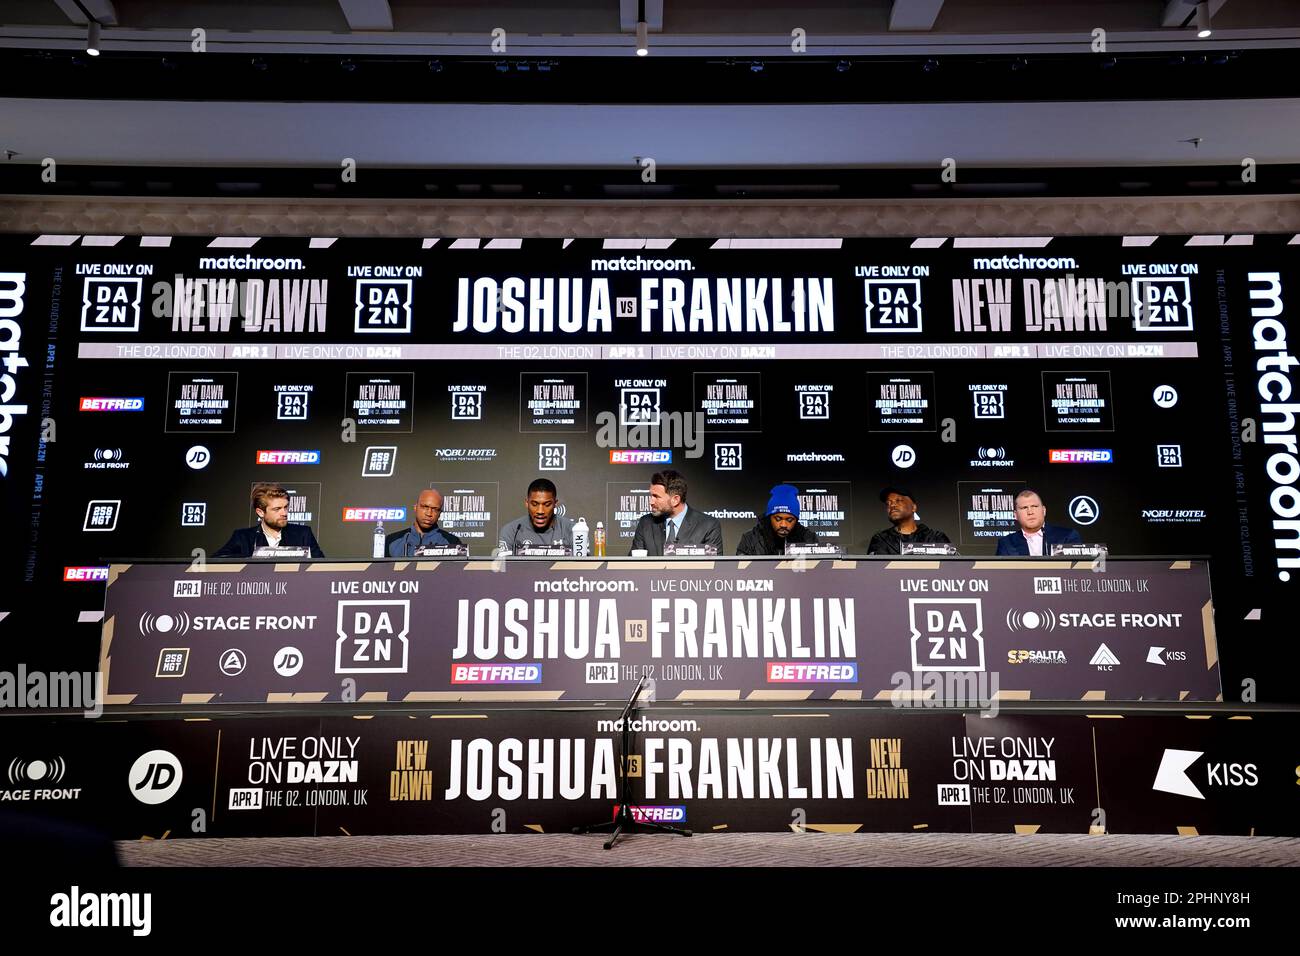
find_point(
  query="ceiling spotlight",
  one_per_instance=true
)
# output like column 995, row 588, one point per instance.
column 435, row 66
column 92, row 38
column 1019, row 63
column 756, row 66
column 1203, row 19
column 348, row 66
column 930, row 65
column 1109, row 63
column 502, row 66
column 843, row 66
column 258, row 64
column 642, row 38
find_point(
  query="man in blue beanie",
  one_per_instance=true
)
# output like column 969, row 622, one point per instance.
column 779, row 524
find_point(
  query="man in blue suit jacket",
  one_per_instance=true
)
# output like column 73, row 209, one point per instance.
column 1035, row 536
column 271, row 503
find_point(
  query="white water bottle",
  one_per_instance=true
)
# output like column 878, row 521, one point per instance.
column 581, row 539
column 379, row 540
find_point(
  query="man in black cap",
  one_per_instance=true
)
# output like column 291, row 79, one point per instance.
column 900, row 506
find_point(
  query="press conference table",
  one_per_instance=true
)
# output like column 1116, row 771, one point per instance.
column 570, row 630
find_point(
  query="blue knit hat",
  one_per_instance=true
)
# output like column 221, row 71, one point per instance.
column 784, row 500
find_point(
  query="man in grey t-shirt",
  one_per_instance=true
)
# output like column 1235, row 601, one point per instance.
column 541, row 527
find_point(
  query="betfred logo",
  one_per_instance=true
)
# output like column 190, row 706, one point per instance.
column 649, row 456
column 778, row 673
column 288, row 457
column 374, row 514
column 496, row 673
column 1080, row 456
column 85, row 574
column 112, row 404
column 672, row 814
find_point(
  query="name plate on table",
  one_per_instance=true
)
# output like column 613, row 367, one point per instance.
column 281, row 553
column 1079, row 550
column 813, row 550
column 544, row 552
column 443, row 551
column 690, row 551
column 910, row 548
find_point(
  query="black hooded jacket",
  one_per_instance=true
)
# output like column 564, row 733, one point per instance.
column 760, row 539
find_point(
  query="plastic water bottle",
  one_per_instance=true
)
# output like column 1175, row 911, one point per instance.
column 600, row 539
column 379, row 540
column 581, row 539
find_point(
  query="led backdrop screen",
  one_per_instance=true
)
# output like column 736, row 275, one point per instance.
column 1143, row 385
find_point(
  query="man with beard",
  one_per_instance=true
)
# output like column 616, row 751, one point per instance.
column 779, row 525
column 271, row 505
column 671, row 521
column 541, row 527
column 900, row 506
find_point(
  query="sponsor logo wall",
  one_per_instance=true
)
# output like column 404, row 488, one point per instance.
column 1088, row 370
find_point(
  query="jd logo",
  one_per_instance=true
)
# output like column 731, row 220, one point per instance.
column 198, row 457
column 372, row 637
column 155, row 777
column 947, row 634
column 288, row 661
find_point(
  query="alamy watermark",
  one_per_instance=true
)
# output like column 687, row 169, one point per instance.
column 970, row 690
column 52, row 690
column 639, row 427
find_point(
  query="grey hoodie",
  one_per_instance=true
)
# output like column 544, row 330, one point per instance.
column 520, row 534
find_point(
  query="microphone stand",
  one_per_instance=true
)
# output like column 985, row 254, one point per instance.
column 624, row 821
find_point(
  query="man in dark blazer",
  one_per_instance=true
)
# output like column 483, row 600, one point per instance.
column 424, row 531
column 671, row 521
column 1035, row 536
column 271, row 504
